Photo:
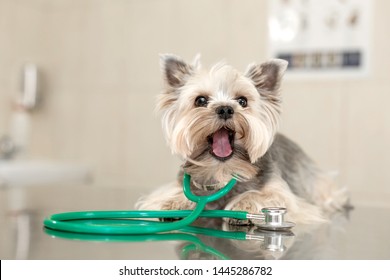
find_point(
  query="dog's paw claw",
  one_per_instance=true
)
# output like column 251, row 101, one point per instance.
column 236, row 222
column 169, row 220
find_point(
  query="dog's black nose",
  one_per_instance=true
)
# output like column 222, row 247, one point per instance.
column 224, row 112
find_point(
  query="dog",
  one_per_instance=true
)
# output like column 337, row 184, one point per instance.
column 223, row 123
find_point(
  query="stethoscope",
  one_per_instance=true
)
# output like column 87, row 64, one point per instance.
column 133, row 222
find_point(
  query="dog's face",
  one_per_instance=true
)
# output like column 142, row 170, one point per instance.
column 220, row 119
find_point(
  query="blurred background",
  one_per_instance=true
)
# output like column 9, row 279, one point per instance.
column 78, row 81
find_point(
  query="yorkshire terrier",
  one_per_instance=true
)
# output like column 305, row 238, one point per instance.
column 223, row 123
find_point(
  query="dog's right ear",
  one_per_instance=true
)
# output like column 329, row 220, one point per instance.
column 176, row 71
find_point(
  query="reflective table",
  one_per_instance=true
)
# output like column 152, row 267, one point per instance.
column 352, row 234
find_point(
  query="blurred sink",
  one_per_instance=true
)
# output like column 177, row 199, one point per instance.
column 26, row 173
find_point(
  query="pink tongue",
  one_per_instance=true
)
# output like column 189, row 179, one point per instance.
column 221, row 144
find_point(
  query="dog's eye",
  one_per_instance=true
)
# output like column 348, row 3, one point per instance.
column 242, row 101
column 201, row 101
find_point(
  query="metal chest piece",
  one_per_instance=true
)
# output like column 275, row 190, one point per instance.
column 274, row 219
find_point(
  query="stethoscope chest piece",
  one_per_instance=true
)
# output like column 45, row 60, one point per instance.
column 274, row 219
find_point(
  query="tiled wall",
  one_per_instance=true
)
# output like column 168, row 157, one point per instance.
column 100, row 74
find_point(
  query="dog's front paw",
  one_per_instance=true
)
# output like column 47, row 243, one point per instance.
column 179, row 202
column 170, row 197
column 245, row 202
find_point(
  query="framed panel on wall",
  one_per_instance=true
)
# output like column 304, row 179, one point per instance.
column 321, row 38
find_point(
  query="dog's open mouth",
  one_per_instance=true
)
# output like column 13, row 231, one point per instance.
column 221, row 143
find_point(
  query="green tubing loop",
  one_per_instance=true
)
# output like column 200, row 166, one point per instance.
column 120, row 223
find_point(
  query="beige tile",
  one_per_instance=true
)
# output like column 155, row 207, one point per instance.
column 312, row 117
column 148, row 159
column 380, row 44
column 367, row 156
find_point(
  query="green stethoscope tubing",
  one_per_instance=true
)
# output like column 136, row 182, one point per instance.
column 120, row 223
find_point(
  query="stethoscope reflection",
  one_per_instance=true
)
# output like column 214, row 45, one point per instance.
column 204, row 242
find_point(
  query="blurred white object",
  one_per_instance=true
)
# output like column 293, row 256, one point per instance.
column 21, row 119
column 29, row 86
column 16, row 175
column 284, row 27
column 26, row 173
column 20, row 131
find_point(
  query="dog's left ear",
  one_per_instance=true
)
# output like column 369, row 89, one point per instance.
column 267, row 76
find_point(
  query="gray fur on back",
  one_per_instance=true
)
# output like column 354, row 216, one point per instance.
column 287, row 159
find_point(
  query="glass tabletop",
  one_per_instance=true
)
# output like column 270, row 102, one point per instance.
column 352, row 234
